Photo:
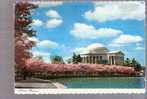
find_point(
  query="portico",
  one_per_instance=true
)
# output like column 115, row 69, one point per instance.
column 103, row 56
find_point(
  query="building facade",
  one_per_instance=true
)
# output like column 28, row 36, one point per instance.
column 102, row 55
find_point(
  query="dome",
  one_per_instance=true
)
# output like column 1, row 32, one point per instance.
column 99, row 50
column 95, row 49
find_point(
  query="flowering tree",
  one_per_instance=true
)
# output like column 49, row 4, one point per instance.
column 23, row 30
column 55, row 59
column 78, row 69
column 23, row 58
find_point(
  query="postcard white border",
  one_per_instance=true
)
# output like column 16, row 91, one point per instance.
column 81, row 91
column 7, row 61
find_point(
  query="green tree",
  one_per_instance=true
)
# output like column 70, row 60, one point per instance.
column 76, row 58
column 57, row 59
column 39, row 57
column 134, row 62
column 79, row 59
column 136, row 65
column 69, row 61
column 127, row 62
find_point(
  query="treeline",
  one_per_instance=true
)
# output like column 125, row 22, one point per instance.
column 56, row 59
column 76, row 58
column 133, row 63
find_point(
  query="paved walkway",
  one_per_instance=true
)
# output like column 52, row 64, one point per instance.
column 38, row 83
column 34, row 85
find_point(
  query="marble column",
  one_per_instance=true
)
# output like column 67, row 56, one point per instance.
column 87, row 59
column 83, row 59
column 95, row 59
column 110, row 60
column 113, row 60
column 90, row 59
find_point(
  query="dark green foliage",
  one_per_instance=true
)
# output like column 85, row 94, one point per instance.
column 79, row 59
column 133, row 63
column 76, row 59
column 69, row 61
column 136, row 65
column 55, row 59
column 127, row 62
column 39, row 57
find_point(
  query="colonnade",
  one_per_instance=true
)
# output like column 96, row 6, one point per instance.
column 96, row 59
column 91, row 59
column 112, row 60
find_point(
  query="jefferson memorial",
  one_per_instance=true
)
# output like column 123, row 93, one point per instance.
column 101, row 55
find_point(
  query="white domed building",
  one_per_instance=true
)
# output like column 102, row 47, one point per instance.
column 101, row 55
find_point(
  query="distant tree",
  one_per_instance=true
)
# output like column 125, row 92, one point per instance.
column 76, row 58
column 133, row 63
column 57, row 59
column 69, row 61
column 136, row 65
column 127, row 62
column 39, row 57
column 79, row 59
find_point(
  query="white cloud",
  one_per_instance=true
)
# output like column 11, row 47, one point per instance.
column 54, row 23
column 37, row 22
column 47, row 44
column 88, row 48
column 39, row 53
column 45, row 55
column 138, row 44
column 55, row 19
column 44, row 43
column 116, row 45
column 124, row 39
column 41, row 45
column 44, row 4
column 33, row 39
column 139, row 47
column 53, row 14
column 108, row 11
column 85, row 31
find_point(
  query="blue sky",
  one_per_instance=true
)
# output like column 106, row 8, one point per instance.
column 65, row 27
